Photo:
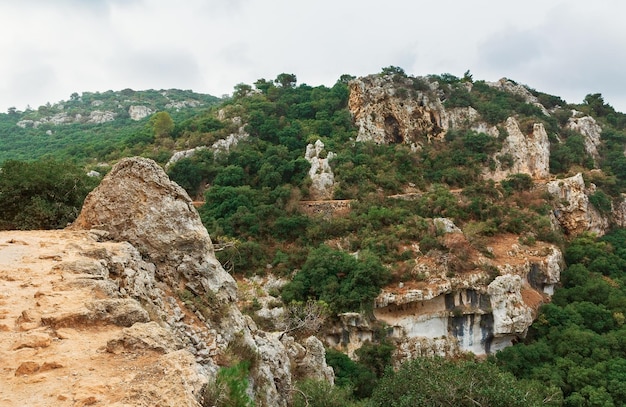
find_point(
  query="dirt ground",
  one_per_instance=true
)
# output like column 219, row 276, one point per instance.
column 64, row 366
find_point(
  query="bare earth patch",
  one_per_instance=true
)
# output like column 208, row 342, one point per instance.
column 46, row 365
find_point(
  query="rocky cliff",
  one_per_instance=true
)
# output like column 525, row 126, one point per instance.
column 482, row 308
column 145, row 286
column 390, row 110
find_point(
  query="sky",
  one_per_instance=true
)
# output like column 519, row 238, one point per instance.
column 53, row 48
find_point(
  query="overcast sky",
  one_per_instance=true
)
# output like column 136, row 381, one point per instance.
column 52, row 48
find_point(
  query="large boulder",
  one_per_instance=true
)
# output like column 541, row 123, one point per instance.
column 169, row 252
column 136, row 202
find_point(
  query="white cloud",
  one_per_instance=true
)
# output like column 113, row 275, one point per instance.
column 51, row 49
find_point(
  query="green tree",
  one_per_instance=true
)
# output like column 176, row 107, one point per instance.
column 393, row 70
column 440, row 382
column 339, row 279
column 162, row 124
column 45, row 194
column 286, row 80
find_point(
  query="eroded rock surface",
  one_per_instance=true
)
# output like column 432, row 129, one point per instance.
column 590, row 130
column 574, row 212
column 58, row 318
column 163, row 258
column 527, row 153
column 136, row 202
column 384, row 115
column 480, row 309
column 321, row 174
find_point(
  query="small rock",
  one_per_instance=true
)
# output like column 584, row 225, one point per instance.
column 27, row 368
column 33, row 340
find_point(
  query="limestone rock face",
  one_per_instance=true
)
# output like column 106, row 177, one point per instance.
column 384, row 116
column 591, row 130
column 98, row 116
column 313, row 364
column 530, row 154
column 219, row 147
column 574, row 212
column 179, row 155
column 480, row 311
column 619, row 212
column 139, row 112
column 321, row 173
column 510, row 313
column 136, row 202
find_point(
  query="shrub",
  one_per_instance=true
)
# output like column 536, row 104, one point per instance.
column 344, row 282
column 320, row 393
column 229, row 388
column 45, row 194
column 440, row 382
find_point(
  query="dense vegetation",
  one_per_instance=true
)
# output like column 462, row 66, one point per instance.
column 46, row 194
column 252, row 195
column 578, row 343
column 78, row 138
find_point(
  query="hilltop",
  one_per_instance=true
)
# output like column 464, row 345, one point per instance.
column 93, row 123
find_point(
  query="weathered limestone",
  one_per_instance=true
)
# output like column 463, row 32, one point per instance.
column 529, row 154
column 136, row 202
column 321, row 174
column 573, row 211
column 138, row 112
column 590, row 130
column 169, row 252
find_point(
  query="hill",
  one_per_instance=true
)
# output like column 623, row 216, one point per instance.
column 428, row 215
column 92, row 126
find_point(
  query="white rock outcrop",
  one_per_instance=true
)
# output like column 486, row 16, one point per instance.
column 479, row 311
column 529, row 154
column 591, row 130
column 573, row 211
column 219, row 147
column 98, row 117
column 510, row 313
column 321, row 174
column 138, row 112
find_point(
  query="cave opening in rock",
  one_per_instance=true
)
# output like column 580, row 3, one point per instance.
column 392, row 130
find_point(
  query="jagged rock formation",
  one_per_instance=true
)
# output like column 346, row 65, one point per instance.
column 385, row 111
column 384, row 116
column 573, row 211
column 528, row 154
column 138, row 204
column 619, row 212
column 321, row 174
column 590, row 130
